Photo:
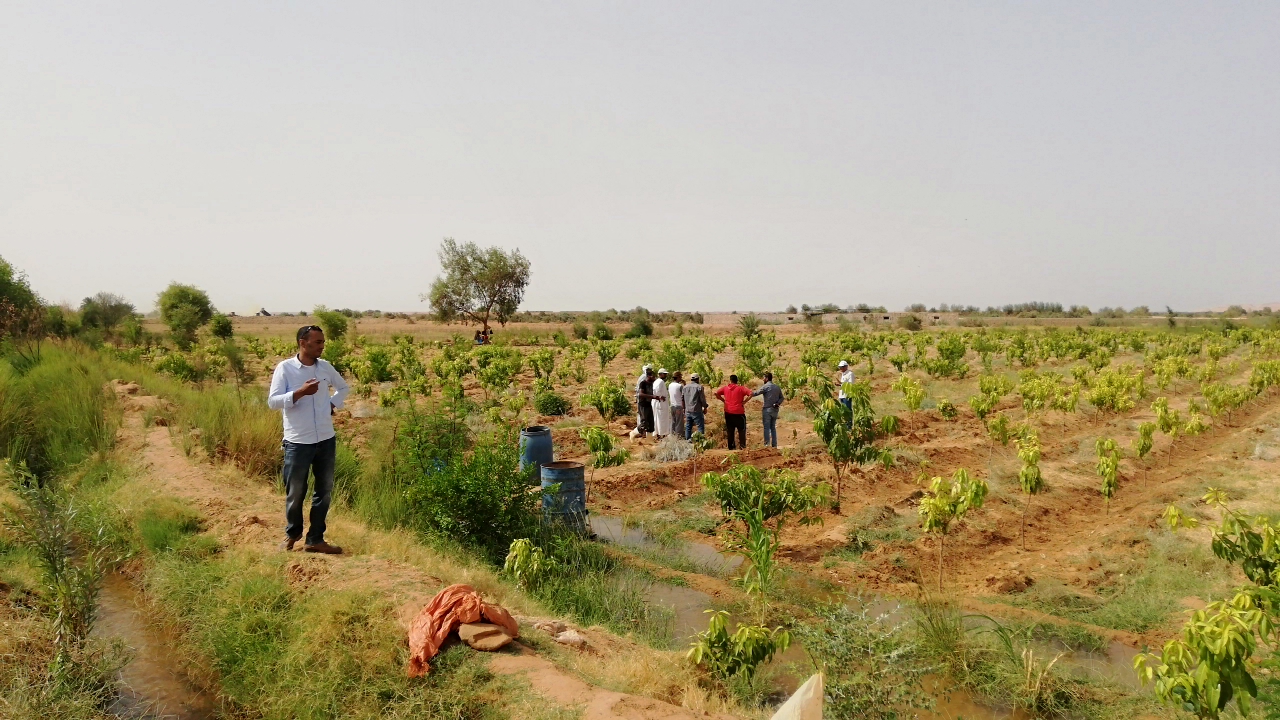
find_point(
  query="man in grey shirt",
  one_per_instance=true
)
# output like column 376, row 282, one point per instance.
column 695, row 404
column 771, row 394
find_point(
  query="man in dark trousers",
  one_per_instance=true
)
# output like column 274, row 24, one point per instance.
column 307, row 391
column 771, row 394
column 735, row 414
column 644, row 394
column 695, row 404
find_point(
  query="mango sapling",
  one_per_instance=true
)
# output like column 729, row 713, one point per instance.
column 1143, row 443
column 603, row 449
column 912, row 391
column 1029, row 477
column 946, row 503
column 1108, row 468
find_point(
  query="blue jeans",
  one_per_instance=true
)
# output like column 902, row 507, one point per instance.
column 299, row 461
column 691, row 419
column 848, row 403
column 770, row 418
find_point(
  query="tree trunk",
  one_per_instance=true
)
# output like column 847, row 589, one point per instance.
column 1025, row 509
column 942, row 541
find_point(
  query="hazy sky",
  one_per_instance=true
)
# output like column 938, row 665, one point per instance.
column 686, row 155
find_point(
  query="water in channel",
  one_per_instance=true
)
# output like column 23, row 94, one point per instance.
column 151, row 686
column 689, row 606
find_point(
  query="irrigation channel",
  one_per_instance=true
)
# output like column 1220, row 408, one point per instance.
column 152, row 687
column 690, row 606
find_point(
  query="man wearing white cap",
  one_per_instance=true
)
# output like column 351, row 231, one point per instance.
column 846, row 376
column 644, row 372
column 661, row 406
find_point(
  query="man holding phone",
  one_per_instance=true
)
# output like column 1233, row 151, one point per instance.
column 308, row 390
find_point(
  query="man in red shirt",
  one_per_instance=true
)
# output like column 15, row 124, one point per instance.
column 735, row 415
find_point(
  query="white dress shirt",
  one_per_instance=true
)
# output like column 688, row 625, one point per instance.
column 308, row 420
column 845, row 377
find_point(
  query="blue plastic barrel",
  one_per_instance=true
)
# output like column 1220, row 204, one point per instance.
column 568, row 506
column 535, row 448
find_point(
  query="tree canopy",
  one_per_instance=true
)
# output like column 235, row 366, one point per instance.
column 105, row 310
column 478, row 284
column 15, row 288
column 184, row 308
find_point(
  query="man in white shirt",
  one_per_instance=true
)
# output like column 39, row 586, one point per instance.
column 846, row 376
column 308, row 391
column 661, row 406
column 675, row 389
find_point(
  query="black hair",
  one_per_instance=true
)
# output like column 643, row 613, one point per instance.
column 768, row 376
column 733, row 379
column 305, row 330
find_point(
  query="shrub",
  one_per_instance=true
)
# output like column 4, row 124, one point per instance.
column 579, row 331
column 604, row 451
column 179, row 366
column 333, row 324
column 57, row 413
column 673, row 448
column 872, row 667
column 220, row 327
column 600, row 331
column 608, row 397
column 480, row 498
column 640, row 327
column 948, row 410
column 728, row 655
column 551, row 403
column 104, row 311
column 374, row 366
column 910, row 322
column 184, row 308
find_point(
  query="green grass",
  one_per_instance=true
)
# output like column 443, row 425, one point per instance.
column 164, row 523
column 991, row 661
column 872, row 528
column 597, row 588
column 277, row 651
column 58, row 412
column 235, row 425
column 1142, row 592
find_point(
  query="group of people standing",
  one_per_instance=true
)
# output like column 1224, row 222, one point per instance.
column 664, row 405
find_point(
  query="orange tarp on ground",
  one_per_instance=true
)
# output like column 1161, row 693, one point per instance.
column 451, row 607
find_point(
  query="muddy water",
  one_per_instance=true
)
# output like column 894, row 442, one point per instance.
column 791, row 668
column 151, row 687
column 690, row 608
column 612, row 529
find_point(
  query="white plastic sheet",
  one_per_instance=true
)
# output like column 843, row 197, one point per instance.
column 805, row 704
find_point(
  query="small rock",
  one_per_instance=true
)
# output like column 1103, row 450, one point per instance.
column 1009, row 583
column 551, row 627
column 572, row 638
column 486, row 637
column 912, row 499
column 160, row 421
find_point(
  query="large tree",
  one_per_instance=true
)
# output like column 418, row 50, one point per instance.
column 22, row 314
column 105, row 311
column 15, row 289
column 478, row 284
column 184, row 308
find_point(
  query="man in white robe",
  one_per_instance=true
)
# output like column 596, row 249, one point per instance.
column 661, row 406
